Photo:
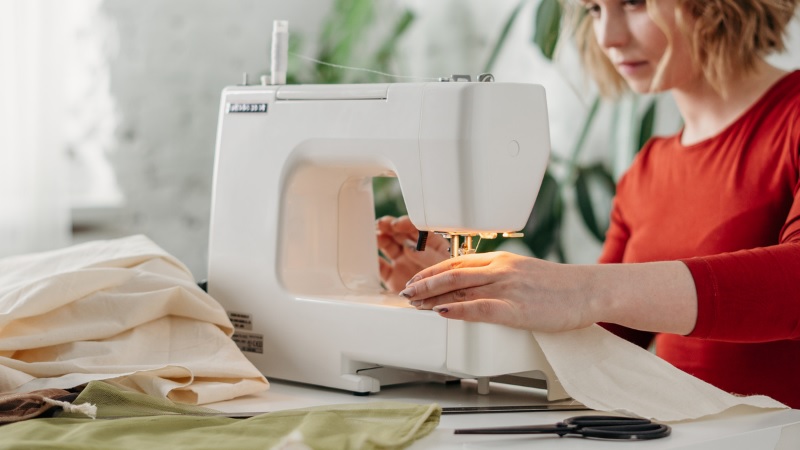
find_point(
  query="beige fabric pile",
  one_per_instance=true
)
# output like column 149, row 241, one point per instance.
column 121, row 310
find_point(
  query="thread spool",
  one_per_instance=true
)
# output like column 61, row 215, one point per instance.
column 280, row 51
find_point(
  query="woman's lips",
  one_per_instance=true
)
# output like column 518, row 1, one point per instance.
column 631, row 67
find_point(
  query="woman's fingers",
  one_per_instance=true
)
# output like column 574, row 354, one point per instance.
column 450, row 265
column 434, row 253
column 437, row 244
column 503, row 288
column 389, row 247
column 385, row 268
column 403, row 225
column 480, row 310
column 398, row 237
column 398, row 228
column 454, row 283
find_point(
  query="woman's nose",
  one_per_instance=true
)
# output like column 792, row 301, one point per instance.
column 611, row 31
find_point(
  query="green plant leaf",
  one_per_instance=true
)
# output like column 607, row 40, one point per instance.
column 572, row 165
column 294, row 70
column 588, row 177
column 343, row 29
column 547, row 27
column 648, row 121
column 542, row 231
column 503, row 37
column 388, row 197
column 384, row 54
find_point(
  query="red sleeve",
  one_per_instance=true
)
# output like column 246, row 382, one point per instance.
column 616, row 237
column 751, row 295
column 641, row 338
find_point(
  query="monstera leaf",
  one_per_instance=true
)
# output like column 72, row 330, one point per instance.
column 542, row 232
column 547, row 27
column 598, row 179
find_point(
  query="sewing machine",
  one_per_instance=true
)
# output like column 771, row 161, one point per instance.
column 292, row 253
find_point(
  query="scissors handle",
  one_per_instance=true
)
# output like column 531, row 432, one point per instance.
column 601, row 427
column 639, row 431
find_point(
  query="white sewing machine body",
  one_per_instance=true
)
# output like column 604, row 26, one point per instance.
column 292, row 255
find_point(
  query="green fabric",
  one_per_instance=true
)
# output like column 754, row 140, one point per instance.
column 382, row 425
column 112, row 401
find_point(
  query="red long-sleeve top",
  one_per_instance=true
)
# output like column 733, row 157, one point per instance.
column 729, row 208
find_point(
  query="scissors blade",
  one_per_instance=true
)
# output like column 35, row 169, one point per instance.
column 510, row 409
column 445, row 410
column 523, row 429
column 235, row 415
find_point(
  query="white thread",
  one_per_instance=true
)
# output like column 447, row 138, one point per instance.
column 480, row 238
column 87, row 409
column 339, row 66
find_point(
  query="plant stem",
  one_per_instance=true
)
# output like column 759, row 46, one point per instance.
column 572, row 166
column 501, row 40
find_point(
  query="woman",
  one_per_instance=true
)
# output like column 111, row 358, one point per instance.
column 707, row 221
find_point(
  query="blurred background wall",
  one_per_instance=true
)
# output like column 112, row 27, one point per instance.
column 132, row 137
column 167, row 63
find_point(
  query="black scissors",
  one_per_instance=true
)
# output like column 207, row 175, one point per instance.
column 597, row 427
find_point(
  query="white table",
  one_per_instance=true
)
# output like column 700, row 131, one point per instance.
column 745, row 429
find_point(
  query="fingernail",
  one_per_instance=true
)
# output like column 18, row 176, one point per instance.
column 415, row 303
column 409, row 292
column 440, row 309
column 410, row 244
column 414, row 279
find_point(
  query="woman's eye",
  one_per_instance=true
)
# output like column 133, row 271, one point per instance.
column 592, row 9
column 631, row 4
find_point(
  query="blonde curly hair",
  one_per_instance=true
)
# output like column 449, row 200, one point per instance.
column 726, row 37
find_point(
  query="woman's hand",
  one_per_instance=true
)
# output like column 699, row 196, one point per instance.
column 506, row 289
column 397, row 240
column 538, row 295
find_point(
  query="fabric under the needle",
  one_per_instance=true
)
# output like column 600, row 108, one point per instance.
column 122, row 309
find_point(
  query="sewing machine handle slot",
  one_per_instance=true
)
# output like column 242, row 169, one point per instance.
column 422, row 240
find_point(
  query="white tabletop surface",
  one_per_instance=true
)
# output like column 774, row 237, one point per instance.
column 746, row 428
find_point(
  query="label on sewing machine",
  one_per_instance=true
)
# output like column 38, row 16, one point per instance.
column 246, row 107
column 241, row 321
column 249, row 342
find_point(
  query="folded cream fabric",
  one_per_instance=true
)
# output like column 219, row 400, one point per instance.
column 607, row 373
column 122, row 309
